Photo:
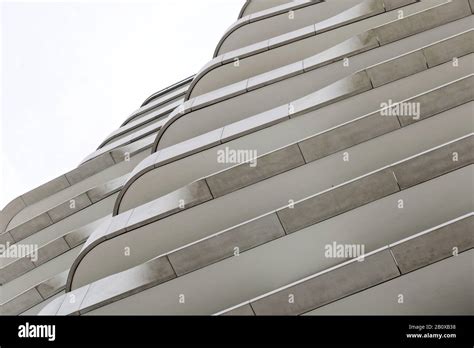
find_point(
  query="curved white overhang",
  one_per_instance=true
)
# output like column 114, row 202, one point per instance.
column 150, row 108
column 79, row 176
column 66, row 208
column 160, row 99
column 6, row 214
column 168, row 91
column 137, row 128
column 70, row 200
column 268, row 23
column 100, row 169
column 140, row 123
column 14, row 267
column 243, row 9
column 135, row 140
column 38, row 275
column 252, row 6
column 129, row 146
column 159, row 161
column 23, row 278
column 97, row 171
column 58, row 245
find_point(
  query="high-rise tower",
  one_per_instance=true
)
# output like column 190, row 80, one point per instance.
column 320, row 163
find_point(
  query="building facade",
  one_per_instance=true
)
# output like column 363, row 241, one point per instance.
column 319, row 164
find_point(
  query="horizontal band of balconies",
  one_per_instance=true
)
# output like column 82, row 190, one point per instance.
column 40, row 277
column 53, row 257
column 157, row 106
column 139, row 140
column 10, row 268
column 230, row 132
column 136, row 129
column 132, row 229
column 50, row 271
column 160, row 99
column 294, row 46
column 58, row 244
column 95, row 172
column 164, row 92
column 263, row 92
column 133, row 282
column 136, row 143
column 275, row 21
column 367, row 271
column 72, row 202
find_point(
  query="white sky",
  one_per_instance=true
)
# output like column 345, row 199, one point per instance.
column 72, row 71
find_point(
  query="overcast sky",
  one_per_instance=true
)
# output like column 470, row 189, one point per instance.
column 72, row 71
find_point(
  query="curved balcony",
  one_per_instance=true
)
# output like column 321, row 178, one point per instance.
column 47, row 272
column 160, row 99
column 136, row 129
column 252, row 6
column 172, row 90
column 275, row 21
column 30, row 205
